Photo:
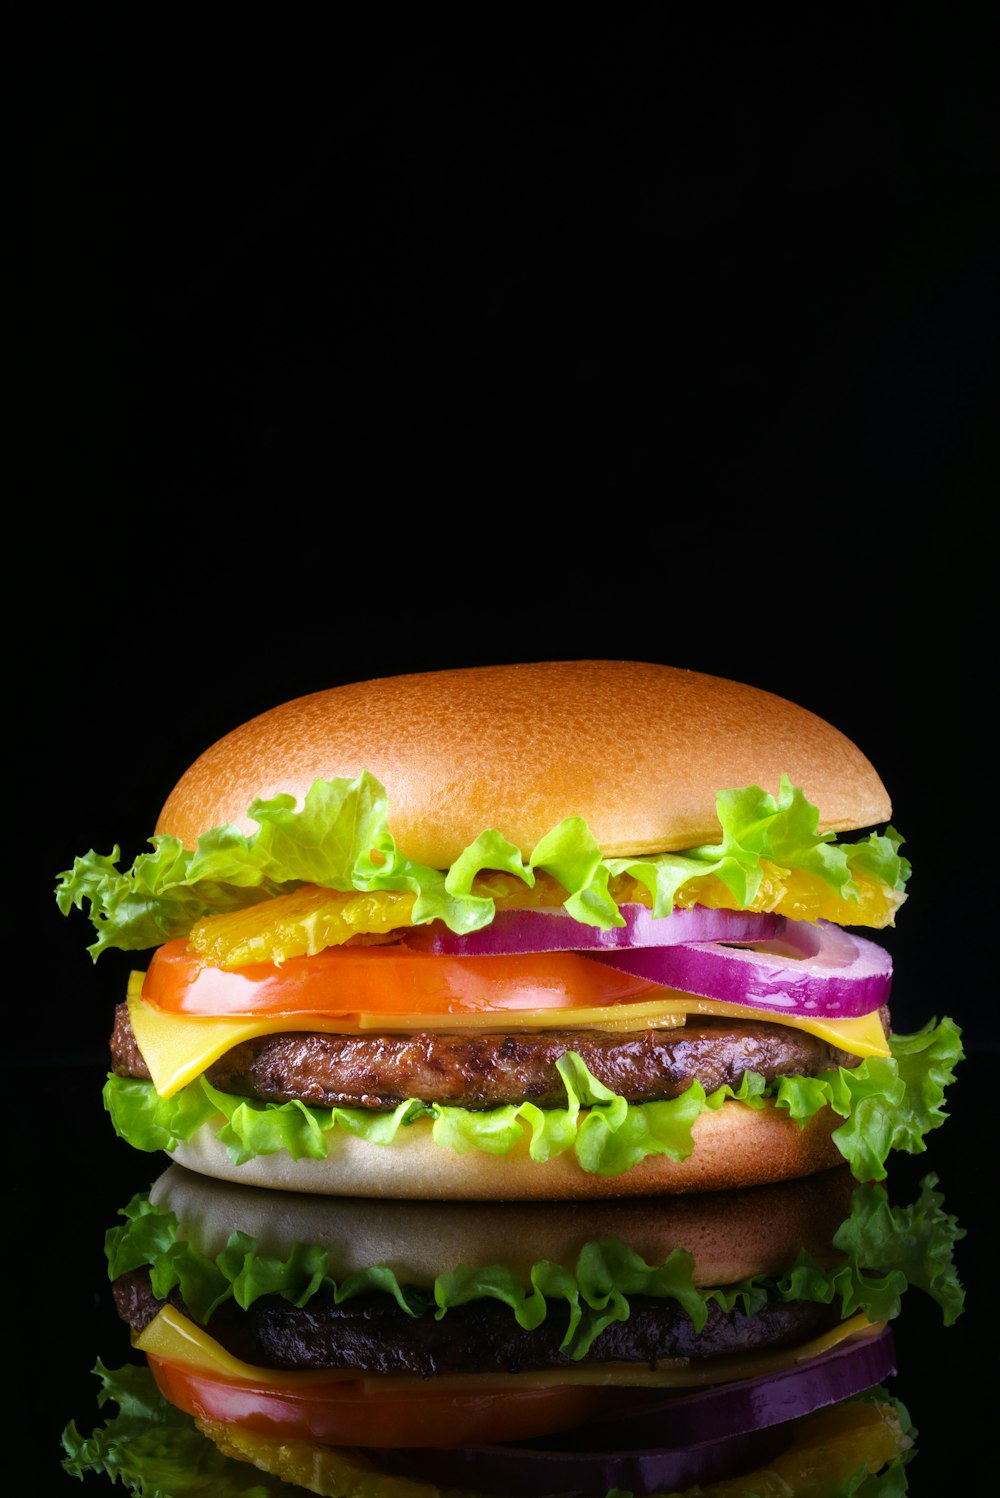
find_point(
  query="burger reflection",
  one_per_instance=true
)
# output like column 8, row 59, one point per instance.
column 726, row 1343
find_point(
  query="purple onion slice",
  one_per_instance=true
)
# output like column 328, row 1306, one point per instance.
column 518, row 931
column 845, row 977
column 671, row 1443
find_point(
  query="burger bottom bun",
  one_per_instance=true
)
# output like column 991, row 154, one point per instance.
column 734, row 1146
column 731, row 1235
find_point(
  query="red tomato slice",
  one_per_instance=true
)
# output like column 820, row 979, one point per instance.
column 343, row 1413
column 385, row 980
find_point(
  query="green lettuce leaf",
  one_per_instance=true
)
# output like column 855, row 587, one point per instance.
column 756, row 826
column 156, row 1451
column 887, row 1103
column 340, row 839
column 887, row 1249
column 916, row 1242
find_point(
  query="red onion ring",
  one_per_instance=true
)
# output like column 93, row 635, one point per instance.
column 844, row 977
column 794, row 967
column 665, row 1445
column 521, row 931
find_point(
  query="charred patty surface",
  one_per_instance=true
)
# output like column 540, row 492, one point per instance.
column 371, row 1334
column 487, row 1070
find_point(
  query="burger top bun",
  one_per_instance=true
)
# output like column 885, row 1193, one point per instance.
column 638, row 750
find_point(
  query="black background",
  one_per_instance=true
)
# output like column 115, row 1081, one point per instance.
column 380, row 347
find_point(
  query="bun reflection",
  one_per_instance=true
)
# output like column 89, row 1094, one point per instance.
column 403, row 1348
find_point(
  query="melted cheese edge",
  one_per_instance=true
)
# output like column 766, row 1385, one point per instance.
column 176, row 1339
column 178, row 1048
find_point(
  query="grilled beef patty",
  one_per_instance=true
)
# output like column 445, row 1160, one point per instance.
column 371, row 1334
column 485, row 1070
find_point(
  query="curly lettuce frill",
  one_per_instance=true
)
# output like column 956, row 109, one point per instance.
column 886, row 1248
column 156, row 1450
column 887, row 1103
column 340, row 840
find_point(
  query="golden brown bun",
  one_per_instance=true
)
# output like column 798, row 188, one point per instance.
column 638, row 750
column 734, row 1146
column 732, row 1235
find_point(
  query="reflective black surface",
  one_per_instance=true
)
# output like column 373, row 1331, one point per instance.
column 687, row 327
column 77, row 1189
column 72, row 1174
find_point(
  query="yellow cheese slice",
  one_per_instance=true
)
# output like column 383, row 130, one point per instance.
column 176, row 1339
column 177, row 1048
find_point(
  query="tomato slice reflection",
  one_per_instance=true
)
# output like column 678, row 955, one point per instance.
column 346, row 1413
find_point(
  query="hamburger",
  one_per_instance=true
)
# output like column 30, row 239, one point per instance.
column 405, row 1348
column 568, row 929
